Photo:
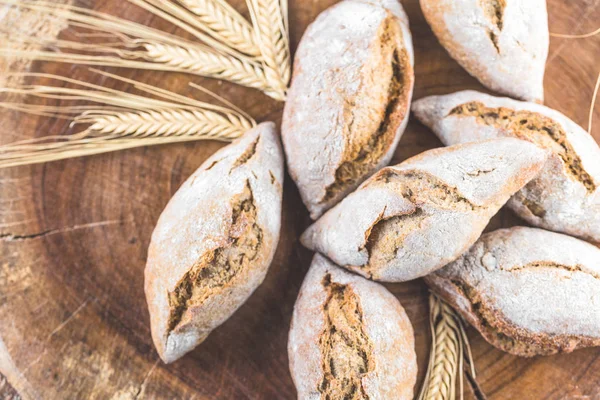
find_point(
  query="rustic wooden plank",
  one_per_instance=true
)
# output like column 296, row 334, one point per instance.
column 73, row 239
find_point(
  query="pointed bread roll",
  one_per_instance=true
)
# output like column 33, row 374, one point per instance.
column 503, row 43
column 349, row 100
column 413, row 218
column 350, row 338
column 214, row 242
column 565, row 197
column 528, row 291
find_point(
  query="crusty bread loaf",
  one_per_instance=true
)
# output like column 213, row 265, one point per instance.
column 413, row 218
column 528, row 291
column 565, row 197
column 349, row 100
column 349, row 339
column 503, row 43
column 214, row 242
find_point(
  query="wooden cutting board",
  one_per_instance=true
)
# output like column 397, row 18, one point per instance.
column 74, row 234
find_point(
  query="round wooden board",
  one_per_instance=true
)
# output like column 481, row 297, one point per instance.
column 74, row 234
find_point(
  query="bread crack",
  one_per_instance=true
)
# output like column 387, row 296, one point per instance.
column 346, row 348
column 218, row 267
column 534, row 207
column 246, row 155
column 481, row 172
column 494, row 11
column 362, row 156
column 212, row 164
column 533, row 127
column 550, row 264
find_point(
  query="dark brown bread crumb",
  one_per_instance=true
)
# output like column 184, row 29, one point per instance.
column 367, row 148
column 345, row 346
column 533, row 127
column 218, row 267
column 246, row 155
column 534, row 207
column 494, row 11
column 386, row 236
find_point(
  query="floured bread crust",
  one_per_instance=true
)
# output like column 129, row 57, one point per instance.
column 528, row 291
column 413, row 218
column 503, row 43
column 350, row 338
column 213, row 243
column 349, row 100
column 565, row 197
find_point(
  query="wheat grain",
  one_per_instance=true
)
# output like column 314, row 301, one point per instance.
column 118, row 120
column 448, row 346
column 271, row 32
column 225, row 24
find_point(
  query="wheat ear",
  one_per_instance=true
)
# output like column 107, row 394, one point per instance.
column 118, row 120
column 207, row 63
column 225, row 24
column 448, row 346
column 271, row 30
column 137, row 46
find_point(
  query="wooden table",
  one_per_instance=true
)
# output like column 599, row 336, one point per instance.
column 74, row 234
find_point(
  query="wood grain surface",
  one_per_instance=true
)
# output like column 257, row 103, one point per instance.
column 74, row 234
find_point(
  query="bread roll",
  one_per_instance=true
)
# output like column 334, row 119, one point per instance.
column 565, row 197
column 528, row 291
column 349, row 100
column 413, row 218
column 503, row 43
column 214, row 241
column 349, row 339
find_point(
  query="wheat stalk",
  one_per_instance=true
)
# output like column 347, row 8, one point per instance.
column 448, row 345
column 592, row 104
column 118, row 120
column 137, row 46
column 580, row 36
column 597, row 86
column 225, row 23
column 163, row 122
column 271, row 30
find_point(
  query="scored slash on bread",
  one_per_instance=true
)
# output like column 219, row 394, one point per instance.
column 349, row 338
column 349, row 100
column 503, row 43
column 528, row 291
column 214, row 241
column 413, row 218
column 565, row 197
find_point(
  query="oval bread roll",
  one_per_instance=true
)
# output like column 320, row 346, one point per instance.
column 503, row 43
column 214, row 242
column 413, row 218
column 350, row 338
column 349, row 100
column 565, row 197
column 528, row 291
